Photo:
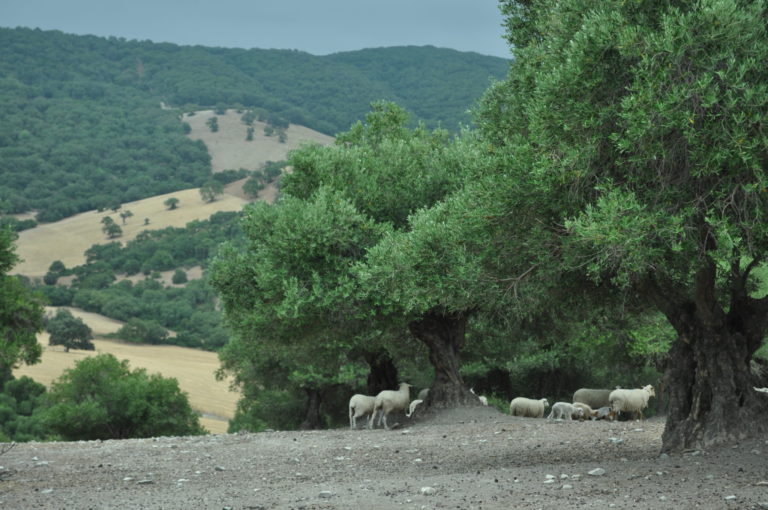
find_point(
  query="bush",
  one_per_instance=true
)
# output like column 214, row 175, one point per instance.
column 179, row 277
column 101, row 398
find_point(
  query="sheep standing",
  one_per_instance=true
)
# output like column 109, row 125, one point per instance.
column 593, row 398
column 564, row 411
column 528, row 408
column 359, row 405
column 631, row 401
column 389, row 401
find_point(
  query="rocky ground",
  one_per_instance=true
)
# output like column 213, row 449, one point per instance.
column 463, row 459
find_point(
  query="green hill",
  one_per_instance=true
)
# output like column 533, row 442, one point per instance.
column 81, row 125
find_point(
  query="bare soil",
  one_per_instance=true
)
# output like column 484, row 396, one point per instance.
column 469, row 458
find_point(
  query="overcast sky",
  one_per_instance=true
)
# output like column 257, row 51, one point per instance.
column 315, row 26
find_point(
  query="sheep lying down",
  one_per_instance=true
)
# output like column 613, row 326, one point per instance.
column 565, row 411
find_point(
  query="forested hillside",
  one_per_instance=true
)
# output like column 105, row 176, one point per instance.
column 81, row 125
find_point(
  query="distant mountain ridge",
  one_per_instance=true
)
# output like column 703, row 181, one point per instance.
column 81, row 126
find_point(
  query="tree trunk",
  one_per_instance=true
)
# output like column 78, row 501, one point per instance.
column 711, row 395
column 710, row 386
column 444, row 336
column 312, row 419
column 383, row 374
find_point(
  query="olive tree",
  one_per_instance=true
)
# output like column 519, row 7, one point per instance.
column 645, row 119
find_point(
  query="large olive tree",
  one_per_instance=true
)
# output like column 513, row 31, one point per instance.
column 647, row 122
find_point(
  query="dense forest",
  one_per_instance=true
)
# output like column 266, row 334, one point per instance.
column 81, row 126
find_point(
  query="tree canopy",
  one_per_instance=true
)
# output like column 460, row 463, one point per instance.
column 102, row 398
column 21, row 314
column 616, row 182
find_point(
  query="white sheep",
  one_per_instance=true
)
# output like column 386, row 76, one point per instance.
column 423, row 394
column 483, row 399
column 586, row 411
column 389, row 401
column 593, row 398
column 413, row 407
column 529, row 408
column 359, row 405
column 564, row 411
column 631, row 401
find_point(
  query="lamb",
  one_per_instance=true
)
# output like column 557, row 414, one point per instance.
column 604, row 413
column 483, row 399
column 593, row 398
column 586, row 411
column 564, row 411
column 412, row 407
column 359, row 405
column 633, row 401
column 389, row 401
column 529, row 408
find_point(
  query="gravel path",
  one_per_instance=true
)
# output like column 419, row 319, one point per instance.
column 471, row 458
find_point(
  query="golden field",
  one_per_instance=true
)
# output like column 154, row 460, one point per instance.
column 68, row 239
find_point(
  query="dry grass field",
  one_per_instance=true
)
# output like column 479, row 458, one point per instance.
column 230, row 151
column 192, row 368
column 67, row 240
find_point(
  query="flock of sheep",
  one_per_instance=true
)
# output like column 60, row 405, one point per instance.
column 587, row 404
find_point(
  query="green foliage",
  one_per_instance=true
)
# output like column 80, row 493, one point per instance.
column 69, row 331
column 21, row 314
column 101, row 398
column 142, row 332
column 171, row 203
column 179, row 277
column 87, row 131
column 20, row 404
column 211, row 189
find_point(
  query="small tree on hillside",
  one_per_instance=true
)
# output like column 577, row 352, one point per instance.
column 211, row 189
column 213, row 124
column 125, row 215
column 69, row 331
column 171, row 203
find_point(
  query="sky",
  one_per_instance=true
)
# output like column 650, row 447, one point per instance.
column 318, row 27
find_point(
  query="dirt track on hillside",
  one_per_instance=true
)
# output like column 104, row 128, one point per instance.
column 463, row 459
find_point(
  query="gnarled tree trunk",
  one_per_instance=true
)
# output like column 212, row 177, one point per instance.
column 312, row 418
column 444, row 336
column 711, row 395
column 383, row 374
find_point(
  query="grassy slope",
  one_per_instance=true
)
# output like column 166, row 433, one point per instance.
column 67, row 240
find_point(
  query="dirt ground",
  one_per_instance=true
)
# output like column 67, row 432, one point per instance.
column 470, row 458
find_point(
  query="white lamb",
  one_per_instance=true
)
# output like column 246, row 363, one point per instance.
column 528, row 408
column 631, row 401
column 564, row 411
column 482, row 398
column 389, row 401
column 359, row 405
column 587, row 412
column 413, row 407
